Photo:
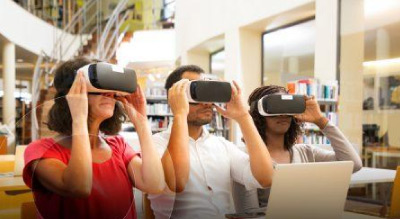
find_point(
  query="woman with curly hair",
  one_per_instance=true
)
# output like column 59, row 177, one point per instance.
column 280, row 134
column 87, row 170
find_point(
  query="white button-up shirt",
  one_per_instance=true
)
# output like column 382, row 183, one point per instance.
column 214, row 163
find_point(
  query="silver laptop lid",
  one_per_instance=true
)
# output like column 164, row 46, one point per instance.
column 309, row 190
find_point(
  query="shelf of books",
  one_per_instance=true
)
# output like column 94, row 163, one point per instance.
column 158, row 111
column 326, row 93
column 219, row 126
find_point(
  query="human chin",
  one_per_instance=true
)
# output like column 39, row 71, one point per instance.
column 104, row 111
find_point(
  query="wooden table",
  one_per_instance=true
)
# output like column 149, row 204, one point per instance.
column 12, row 184
column 372, row 175
column 13, row 193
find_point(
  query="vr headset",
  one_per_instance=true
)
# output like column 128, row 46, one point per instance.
column 281, row 104
column 104, row 77
column 209, row 91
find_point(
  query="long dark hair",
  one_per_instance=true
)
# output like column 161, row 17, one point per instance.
column 259, row 120
column 59, row 117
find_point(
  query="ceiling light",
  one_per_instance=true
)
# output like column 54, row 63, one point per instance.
column 382, row 62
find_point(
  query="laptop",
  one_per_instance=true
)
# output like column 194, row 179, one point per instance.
column 309, row 190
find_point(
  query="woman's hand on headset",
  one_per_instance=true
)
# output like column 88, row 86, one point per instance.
column 77, row 99
column 313, row 113
column 135, row 105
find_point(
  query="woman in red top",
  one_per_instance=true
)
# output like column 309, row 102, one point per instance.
column 80, row 173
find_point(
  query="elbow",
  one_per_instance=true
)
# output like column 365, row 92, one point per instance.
column 357, row 165
column 178, row 186
column 81, row 193
column 181, row 184
column 267, row 182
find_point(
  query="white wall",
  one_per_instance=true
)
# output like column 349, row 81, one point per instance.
column 30, row 32
column 200, row 25
column 200, row 20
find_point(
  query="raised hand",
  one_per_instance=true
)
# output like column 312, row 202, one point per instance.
column 313, row 113
column 77, row 98
column 177, row 98
column 236, row 108
column 135, row 105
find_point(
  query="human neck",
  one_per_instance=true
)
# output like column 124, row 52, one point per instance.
column 275, row 142
column 195, row 131
column 94, row 130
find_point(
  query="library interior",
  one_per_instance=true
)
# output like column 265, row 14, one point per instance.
column 343, row 56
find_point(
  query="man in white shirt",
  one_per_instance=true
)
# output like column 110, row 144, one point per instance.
column 200, row 167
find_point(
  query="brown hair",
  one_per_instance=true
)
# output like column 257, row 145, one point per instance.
column 259, row 120
column 59, row 117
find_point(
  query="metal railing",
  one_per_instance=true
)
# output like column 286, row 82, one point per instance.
column 82, row 26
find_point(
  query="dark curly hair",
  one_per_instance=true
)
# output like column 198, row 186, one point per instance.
column 259, row 120
column 59, row 117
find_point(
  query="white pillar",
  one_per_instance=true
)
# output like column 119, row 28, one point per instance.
column 9, row 88
column 243, row 64
column 326, row 22
column 351, row 70
column 382, row 44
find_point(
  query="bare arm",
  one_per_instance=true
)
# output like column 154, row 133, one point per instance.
column 74, row 179
column 176, row 160
column 146, row 172
column 260, row 160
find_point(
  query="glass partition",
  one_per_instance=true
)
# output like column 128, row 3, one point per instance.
column 288, row 53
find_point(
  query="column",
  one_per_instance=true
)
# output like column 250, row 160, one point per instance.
column 9, row 88
column 326, row 40
column 351, row 70
column 243, row 64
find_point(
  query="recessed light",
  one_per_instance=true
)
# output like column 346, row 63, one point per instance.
column 20, row 60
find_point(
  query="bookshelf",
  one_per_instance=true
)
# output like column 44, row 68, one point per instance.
column 22, row 121
column 326, row 93
column 219, row 126
column 159, row 114
column 158, row 111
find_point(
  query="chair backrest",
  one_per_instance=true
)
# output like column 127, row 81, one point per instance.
column 19, row 160
column 395, row 202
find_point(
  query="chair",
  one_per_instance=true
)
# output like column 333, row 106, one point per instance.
column 19, row 160
column 28, row 210
column 7, row 163
column 376, row 208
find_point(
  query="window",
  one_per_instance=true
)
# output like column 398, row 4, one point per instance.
column 288, row 53
column 370, row 52
column 217, row 63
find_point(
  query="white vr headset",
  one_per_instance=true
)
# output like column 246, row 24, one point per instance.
column 281, row 104
column 209, row 91
column 104, row 77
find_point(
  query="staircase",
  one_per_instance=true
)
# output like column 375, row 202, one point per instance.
column 98, row 37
